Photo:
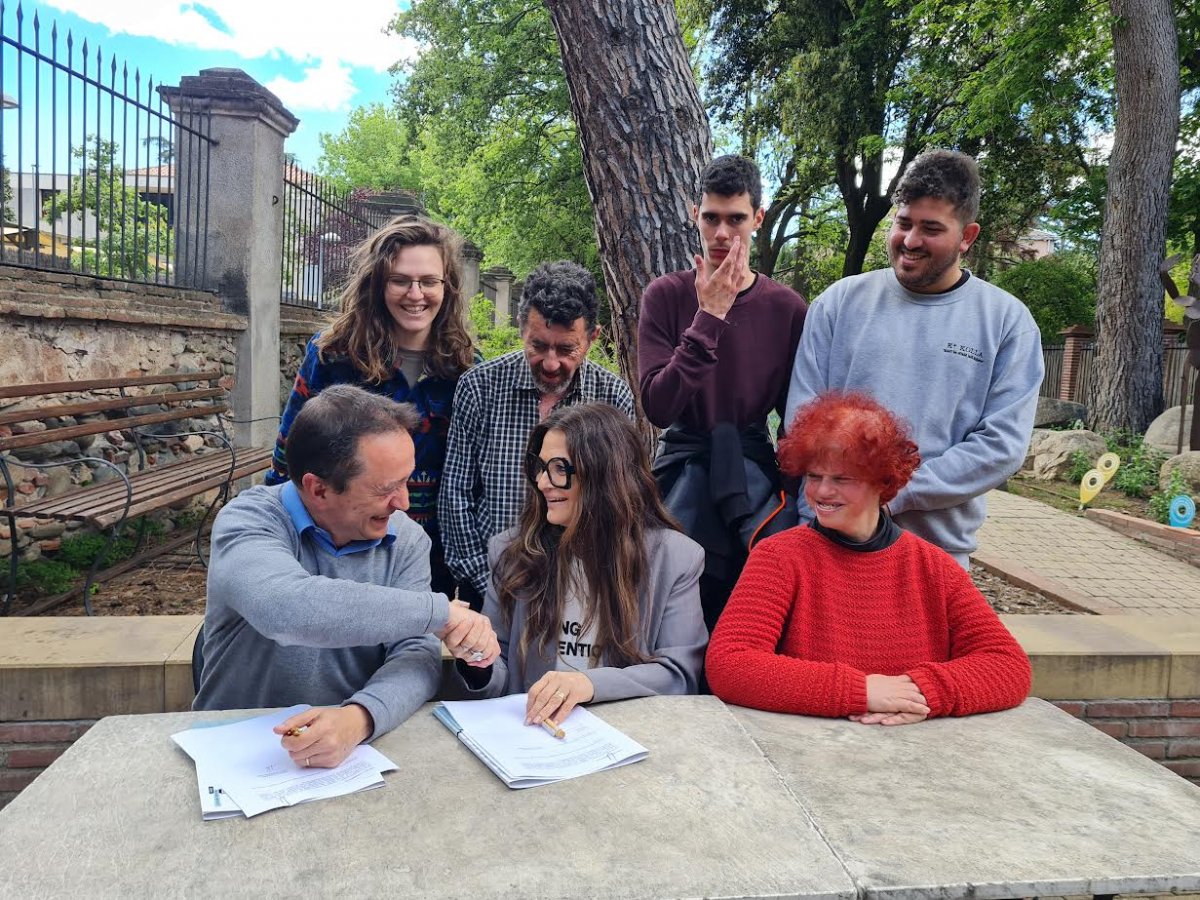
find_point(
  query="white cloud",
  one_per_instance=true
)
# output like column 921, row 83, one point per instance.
column 325, row 87
column 328, row 38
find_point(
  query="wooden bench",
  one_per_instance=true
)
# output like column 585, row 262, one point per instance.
column 106, row 505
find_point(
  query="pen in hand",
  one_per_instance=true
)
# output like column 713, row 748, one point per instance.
column 296, row 732
column 551, row 726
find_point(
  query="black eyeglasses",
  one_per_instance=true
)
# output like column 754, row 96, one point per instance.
column 557, row 469
column 428, row 284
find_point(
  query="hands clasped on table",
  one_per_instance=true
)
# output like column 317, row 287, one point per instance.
column 893, row 700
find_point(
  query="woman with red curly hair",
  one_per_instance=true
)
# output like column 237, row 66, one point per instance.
column 850, row 616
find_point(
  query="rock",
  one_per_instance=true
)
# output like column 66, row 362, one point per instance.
column 43, row 452
column 1054, row 453
column 1163, row 433
column 193, row 442
column 1052, row 411
column 1036, row 440
column 51, row 545
column 47, row 530
column 1187, row 464
column 58, row 481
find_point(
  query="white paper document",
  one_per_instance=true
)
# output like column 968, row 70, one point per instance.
column 242, row 768
column 526, row 755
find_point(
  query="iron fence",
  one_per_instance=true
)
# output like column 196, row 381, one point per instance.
column 86, row 203
column 322, row 226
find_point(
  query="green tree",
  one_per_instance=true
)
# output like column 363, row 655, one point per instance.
column 1060, row 290
column 133, row 236
column 859, row 89
column 372, row 152
column 488, row 108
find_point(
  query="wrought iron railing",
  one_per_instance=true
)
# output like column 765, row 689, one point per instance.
column 89, row 181
column 322, row 226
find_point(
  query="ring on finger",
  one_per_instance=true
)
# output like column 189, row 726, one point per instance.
column 561, row 695
column 476, row 655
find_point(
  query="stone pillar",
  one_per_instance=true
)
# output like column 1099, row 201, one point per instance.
column 1075, row 338
column 472, row 256
column 242, row 173
column 503, row 279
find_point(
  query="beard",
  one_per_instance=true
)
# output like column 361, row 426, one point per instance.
column 554, row 387
column 931, row 270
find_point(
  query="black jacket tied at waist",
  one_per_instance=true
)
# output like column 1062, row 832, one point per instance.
column 725, row 489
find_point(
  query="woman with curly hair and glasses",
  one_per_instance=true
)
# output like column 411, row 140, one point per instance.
column 594, row 593
column 850, row 616
column 401, row 333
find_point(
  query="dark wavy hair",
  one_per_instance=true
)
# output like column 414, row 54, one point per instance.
column 618, row 501
column 363, row 331
column 730, row 175
column 944, row 175
column 562, row 292
column 854, row 431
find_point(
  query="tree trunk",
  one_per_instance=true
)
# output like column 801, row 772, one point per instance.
column 645, row 139
column 1127, row 388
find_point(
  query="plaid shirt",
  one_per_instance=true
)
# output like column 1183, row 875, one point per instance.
column 483, row 484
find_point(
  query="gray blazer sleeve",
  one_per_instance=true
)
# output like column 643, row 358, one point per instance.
column 507, row 636
column 673, row 625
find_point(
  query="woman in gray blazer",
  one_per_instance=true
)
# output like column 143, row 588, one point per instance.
column 594, row 593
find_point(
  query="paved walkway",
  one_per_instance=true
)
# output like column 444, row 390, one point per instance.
column 1081, row 562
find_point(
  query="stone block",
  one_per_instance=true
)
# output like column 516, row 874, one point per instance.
column 1163, row 433
column 47, row 530
column 1188, row 465
column 1052, row 411
column 1052, row 456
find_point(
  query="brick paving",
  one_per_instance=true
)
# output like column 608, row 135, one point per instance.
column 1081, row 562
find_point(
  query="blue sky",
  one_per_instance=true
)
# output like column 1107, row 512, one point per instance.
column 321, row 59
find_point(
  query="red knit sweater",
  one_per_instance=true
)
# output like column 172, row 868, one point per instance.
column 809, row 620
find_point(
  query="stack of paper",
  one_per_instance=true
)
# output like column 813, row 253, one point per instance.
column 527, row 756
column 242, row 769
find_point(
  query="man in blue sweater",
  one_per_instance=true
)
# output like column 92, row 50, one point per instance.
column 958, row 358
column 318, row 588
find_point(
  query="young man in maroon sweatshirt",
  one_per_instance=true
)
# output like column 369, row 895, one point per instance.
column 715, row 350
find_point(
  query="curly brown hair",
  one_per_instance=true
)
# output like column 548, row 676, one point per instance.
column 363, row 330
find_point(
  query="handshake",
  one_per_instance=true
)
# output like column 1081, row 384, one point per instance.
column 469, row 636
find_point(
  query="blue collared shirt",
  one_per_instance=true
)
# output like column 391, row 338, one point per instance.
column 304, row 524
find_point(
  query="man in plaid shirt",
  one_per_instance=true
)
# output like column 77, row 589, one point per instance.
column 497, row 404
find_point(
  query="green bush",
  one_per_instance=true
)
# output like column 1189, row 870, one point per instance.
column 1060, row 290
column 45, row 576
column 1160, row 502
column 492, row 340
column 1081, row 464
column 1138, row 473
column 79, row 550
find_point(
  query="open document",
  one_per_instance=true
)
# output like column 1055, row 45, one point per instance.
column 242, row 769
column 527, row 756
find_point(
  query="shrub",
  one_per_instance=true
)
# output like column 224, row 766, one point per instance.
column 1140, row 465
column 45, row 576
column 492, row 340
column 1060, row 290
column 1081, row 464
column 1160, row 502
column 79, row 550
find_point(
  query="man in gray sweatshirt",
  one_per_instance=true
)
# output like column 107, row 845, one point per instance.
column 318, row 589
column 958, row 358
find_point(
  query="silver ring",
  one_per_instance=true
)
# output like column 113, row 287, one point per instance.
column 476, row 655
column 306, row 759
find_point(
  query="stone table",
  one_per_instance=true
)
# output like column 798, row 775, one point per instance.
column 705, row 815
column 1027, row 802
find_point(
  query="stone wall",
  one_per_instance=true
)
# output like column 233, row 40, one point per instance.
column 296, row 325
column 60, row 327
